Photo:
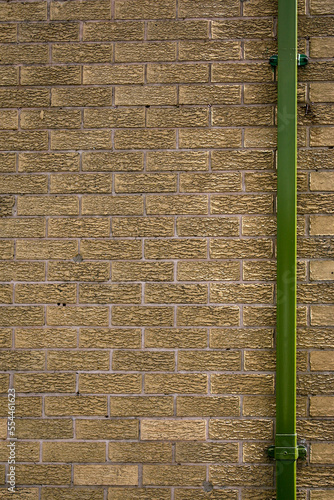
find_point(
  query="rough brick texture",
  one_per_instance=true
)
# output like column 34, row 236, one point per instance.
column 137, row 248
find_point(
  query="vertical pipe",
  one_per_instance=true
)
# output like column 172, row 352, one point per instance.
column 286, row 440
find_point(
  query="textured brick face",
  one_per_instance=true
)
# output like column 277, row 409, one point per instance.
column 138, row 247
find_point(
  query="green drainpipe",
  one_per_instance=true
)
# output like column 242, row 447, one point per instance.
column 286, row 450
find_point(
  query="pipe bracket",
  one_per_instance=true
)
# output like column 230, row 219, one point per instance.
column 286, row 448
column 302, row 60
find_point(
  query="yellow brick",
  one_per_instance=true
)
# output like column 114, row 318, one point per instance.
column 138, row 493
column 59, row 406
column 267, row 137
column 42, row 338
column 8, row 119
column 48, row 293
column 231, row 160
column 57, row 428
column 145, row 183
column 322, row 181
column 200, row 494
column 5, row 337
column 22, row 271
column 144, row 9
column 259, row 293
column 7, row 162
column 48, row 162
column 245, row 248
column 259, row 226
column 321, row 225
column 210, row 182
column 176, row 30
column 24, row 451
column 321, row 92
column 112, row 161
column 106, row 474
column 6, row 206
column 267, row 8
column 247, row 204
column 177, row 117
column 22, row 228
column 73, row 452
column 24, row 407
column 322, row 494
column 209, row 51
column 106, row 429
column 316, row 477
column 321, row 136
column 173, row 430
column 141, row 407
column 242, row 475
column 50, row 119
column 54, row 75
column 243, row 384
column 242, row 115
column 51, row 205
column 253, row 338
column 175, row 249
column 254, row 72
column 321, row 7
column 145, row 52
column 177, row 294
column 140, row 452
column 21, row 316
column 322, row 406
column 266, row 316
column 4, row 383
column 145, row 139
column 102, row 294
column 207, row 271
column 110, row 338
column 44, row 382
column 321, row 47
column 175, row 338
column 136, row 95
column 208, row 316
column 45, row 474
column 242, row 28
column 89, row 9
column 143, row 227
column 83, row 139
column 169, row 383
column 322, row 315
column 46, row 249
column 214, row 138
column 114, row 118
column 314, row 338
column 110, row 249
column 322, row 360
column 78, row 360
column 81, row 97
column 110, row 383
column 23, row 141
column 142, row 316
column 177, row 204
column 24, row 11
column 171, row 161
column 82, row 53
column 6, row 249
column 143, row 361
column 178, row 475
column 322, row 453
column 78, row 228
column 8, row 76
column 142, row 271
column 70, row 316
column 191, row 406
column 49, row 32
column 322, row 270
column 113, row 31
column 210, row 94
column 207, row 226
column 177, row 73
column 208, row 8
column 315, row 383
column 113, row 75
column 240, row 429
column 212, row 360
column 112, row 205
column 8, row 33
column 24, row 54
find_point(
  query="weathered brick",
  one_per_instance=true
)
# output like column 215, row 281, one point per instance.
column 42, row 338
column 143, row 361
column 175, row 338
column 242, row 28
column 140, row 452
column 174, row 430
column 138, row 493
column 141, row 407
column 48, row 474
column 59, row 406
column 82, row 53
column 110, row 338
column 169, row 383
column 110, row 383
column 207, row 226
column 106, row 429
column 143, row 227
column 142, row 271
column 45, row 293
column 78, row 360
column 114, row 118
column 321, row 92
column 144, row 9
column 175, row 249
column 232, row 160
column 89, row 9
column 22, row 271
column 208, row 316
column 177, row 73
column 243, row 475
column 175, row 294
column 142, row 315
column 21, row 316
column 24, row 11
column 177, row 117
column 51, row 205
column 246, row 248
column 49, row 32
column 102, row 294
column 76, row 228
column 54, row 451
column 242, row 115
column 113, row 31
column 209, row 95
column 209, row 51
column 207, row 271
column 70, row 316
column 192, row 406
column 139, row 95
column 8, row 33
column 46, row 249
column 177, row 204
column 8, row 120
column 45, row 382
column 319, row 7
column 321, row 225
column 22, row 141
column 243, row 384
column 171, row 161
column 110, row 249
column 145, row 139
column 23, row 54
column 252, row 338
column 57, row 428
column 322, row 406
column 48, row 162
column 54, row 75
column 106, row 474
column 7, row 162
column 178, row 475
column 177, row 30
column 145, row 52
column 112, row 205
column 113, row 75
column 322, row 315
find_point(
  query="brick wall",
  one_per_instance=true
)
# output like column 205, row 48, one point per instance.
column 138, row 248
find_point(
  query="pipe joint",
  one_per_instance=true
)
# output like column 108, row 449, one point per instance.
column 286, row 448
